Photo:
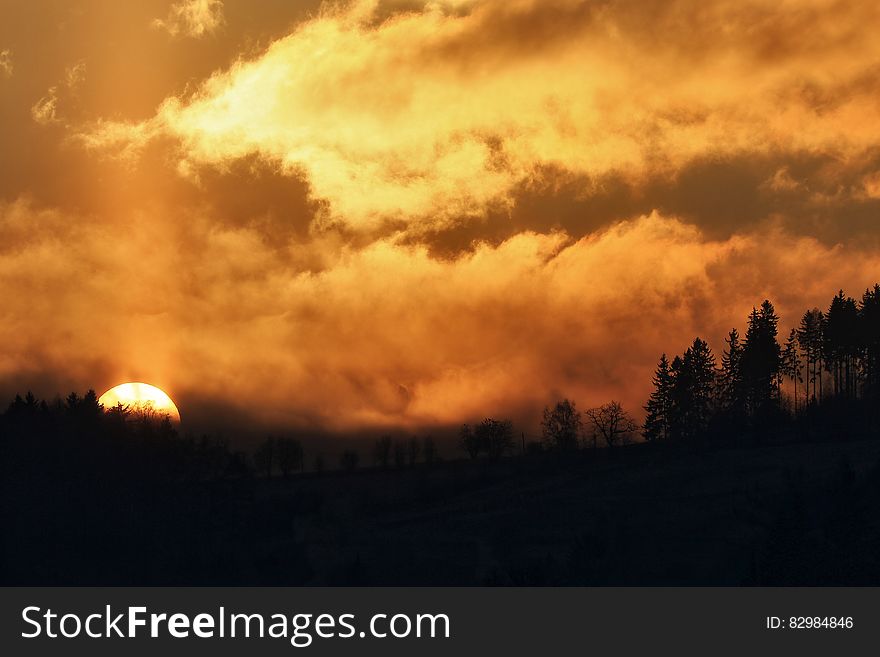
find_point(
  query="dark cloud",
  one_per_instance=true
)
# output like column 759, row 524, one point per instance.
column 808, row 194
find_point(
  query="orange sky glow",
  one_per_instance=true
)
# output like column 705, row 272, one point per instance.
column 399, row 214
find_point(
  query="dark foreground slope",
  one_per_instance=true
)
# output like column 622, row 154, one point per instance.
column 800, row 514
column 806, row 513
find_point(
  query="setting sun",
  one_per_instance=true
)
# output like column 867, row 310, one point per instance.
column 141, row 396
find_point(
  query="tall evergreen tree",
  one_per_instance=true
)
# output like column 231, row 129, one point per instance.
column 679, row 398
column 762, row 357
column 731, row 383
column 692, row 391
column 869, row 329
column 841, row 343
column 792, row 364
column 658, row 408
column 810, row 339
column 702, row 368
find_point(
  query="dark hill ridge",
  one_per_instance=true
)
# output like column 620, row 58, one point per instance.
column 799, row 513
column 638, row 516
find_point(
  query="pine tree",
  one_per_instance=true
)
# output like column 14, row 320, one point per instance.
column 791, row 364
column 657, row 422
column 731, row 375
column 810, row 339
column 762, row 356
column 869, row 330
column 841, row 343
column 692, row 391
column 679, row 398
column 702, row 366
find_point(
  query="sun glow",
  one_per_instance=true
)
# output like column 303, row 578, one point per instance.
column 141, row 396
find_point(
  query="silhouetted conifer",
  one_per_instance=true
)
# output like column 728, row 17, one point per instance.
column 732, row 393
column 762, row 358
column 659, row 406
column 841, row 343
column 791, row 364
column 810, row 339
column 869, row 319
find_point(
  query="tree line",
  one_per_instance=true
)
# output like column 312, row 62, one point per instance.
column 830, row 356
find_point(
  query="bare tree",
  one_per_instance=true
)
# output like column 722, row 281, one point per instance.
column 613, row 423
column 495, row 436
column 469, row 441
column 561, row 426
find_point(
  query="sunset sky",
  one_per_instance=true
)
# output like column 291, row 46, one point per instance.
column 404, row 214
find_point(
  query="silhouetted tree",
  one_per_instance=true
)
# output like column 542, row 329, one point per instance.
column 841, row 343
column 613, row 423
column 382, row 451
column 693, row 378
column 469, row 441
column 495, row 437
column 791, row 364
column 90, row 411
column 561, row 426
column 732, row 393
column 869, row 319
column 659, row 406
column 319, row 463
column 762, row 358
column 810, row 334
column 118, row 416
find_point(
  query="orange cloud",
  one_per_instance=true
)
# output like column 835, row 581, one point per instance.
column 193, row 18
column 384, row 335
column 44, row 110
column 437, row 114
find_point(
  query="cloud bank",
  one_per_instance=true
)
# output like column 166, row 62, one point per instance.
column 409, row 214
column 436, row 115
column 385, row 336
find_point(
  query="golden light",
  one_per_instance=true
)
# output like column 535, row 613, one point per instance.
column 142, row 396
